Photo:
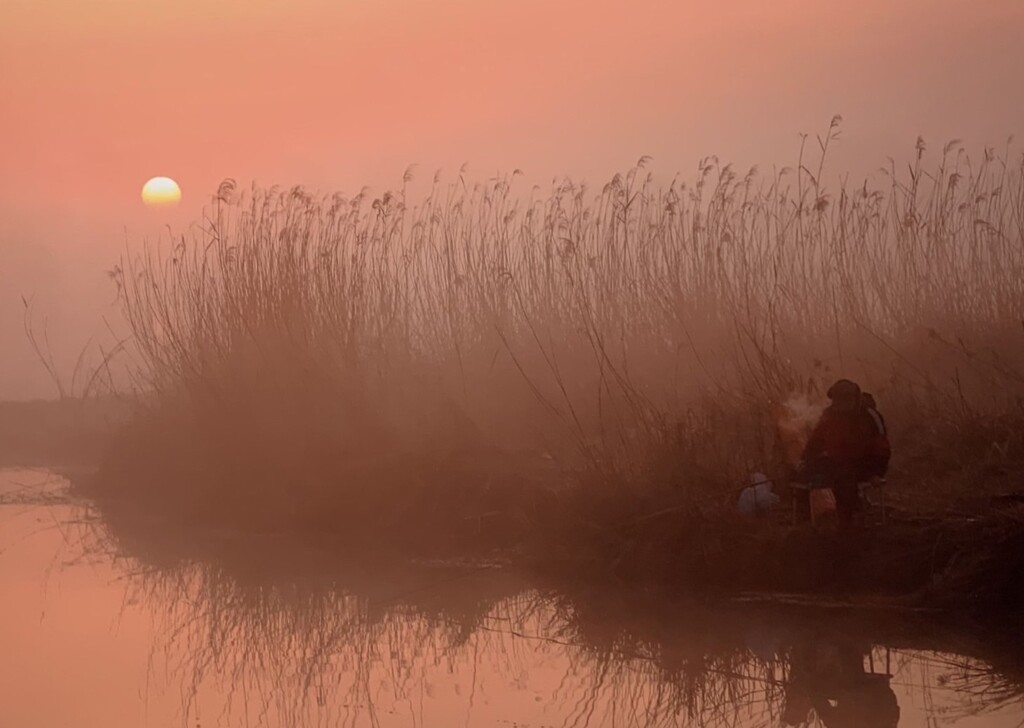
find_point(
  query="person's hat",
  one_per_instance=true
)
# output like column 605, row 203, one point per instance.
column 843, row 389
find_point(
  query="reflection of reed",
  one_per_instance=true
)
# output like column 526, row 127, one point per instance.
column 316, row 656
column 645, row 670
column 977, row 687
column 300, row 654
column 267, row 633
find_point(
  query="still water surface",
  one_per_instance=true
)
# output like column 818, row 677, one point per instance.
column 105, row 625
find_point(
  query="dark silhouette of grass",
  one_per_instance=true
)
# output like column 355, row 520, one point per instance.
column 545, row 373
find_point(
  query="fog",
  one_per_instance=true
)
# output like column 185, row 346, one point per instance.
column 96, row 97
column 523, row 362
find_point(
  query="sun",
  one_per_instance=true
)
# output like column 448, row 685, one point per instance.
column 161, row 192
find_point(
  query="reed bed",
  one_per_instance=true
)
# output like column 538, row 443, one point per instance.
column 571, row 357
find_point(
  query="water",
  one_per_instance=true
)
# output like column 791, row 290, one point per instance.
column 106, row 622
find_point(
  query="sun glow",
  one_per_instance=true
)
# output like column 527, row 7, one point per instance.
column 161, row 192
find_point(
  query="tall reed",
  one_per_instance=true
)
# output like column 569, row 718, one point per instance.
column 647, row 333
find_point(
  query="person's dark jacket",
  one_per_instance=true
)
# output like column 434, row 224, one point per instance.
column 845, row 444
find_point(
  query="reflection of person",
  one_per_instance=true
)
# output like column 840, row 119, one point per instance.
column 798, row 699
column 830, row 678
column 841, row 449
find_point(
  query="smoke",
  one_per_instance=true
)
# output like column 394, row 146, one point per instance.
column 795, row 419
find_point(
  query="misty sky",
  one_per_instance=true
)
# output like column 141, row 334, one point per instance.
column 96, row 96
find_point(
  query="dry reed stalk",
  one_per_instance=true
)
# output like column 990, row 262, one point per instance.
column 660, row 326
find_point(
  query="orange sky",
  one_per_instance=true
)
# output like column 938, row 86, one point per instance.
column 96, row 96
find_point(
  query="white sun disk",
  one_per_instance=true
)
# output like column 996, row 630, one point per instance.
column 161, row 192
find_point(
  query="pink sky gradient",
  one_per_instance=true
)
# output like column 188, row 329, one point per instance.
column 96, row 96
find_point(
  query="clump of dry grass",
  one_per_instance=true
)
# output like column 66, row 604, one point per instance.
column 358, row 363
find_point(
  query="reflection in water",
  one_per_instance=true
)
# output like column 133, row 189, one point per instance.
column 260, row 632
column 829, row 680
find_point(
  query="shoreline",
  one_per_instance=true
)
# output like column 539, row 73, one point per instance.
column 935, row 565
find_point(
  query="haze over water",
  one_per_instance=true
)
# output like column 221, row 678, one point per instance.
column 98, row 96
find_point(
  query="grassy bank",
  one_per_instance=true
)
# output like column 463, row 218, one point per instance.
column 485, row 367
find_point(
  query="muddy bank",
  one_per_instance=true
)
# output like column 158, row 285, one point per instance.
column 954, row 606
column 969, row 564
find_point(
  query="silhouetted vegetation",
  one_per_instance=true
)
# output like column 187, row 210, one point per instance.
column 542, row 371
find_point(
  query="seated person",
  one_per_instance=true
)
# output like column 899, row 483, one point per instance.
column 843, row 450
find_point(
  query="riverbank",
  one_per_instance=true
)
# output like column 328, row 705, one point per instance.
column 968, row 563
column 958, row 591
